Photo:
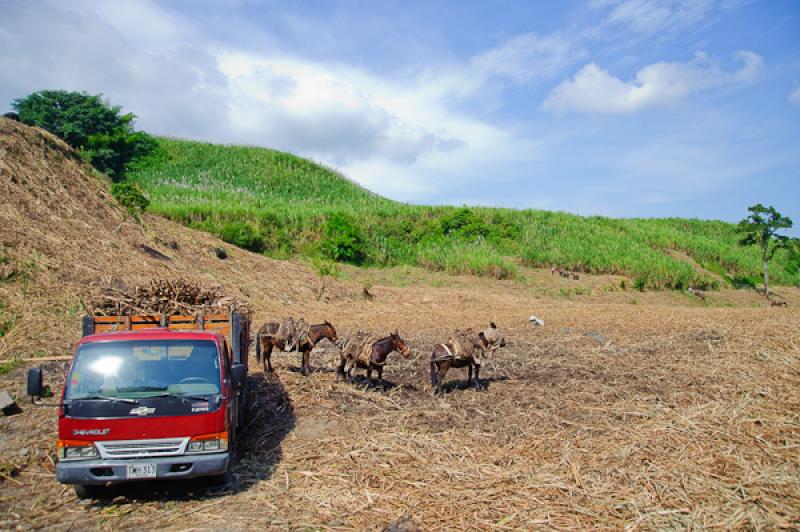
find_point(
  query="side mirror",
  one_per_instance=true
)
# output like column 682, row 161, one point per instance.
column 35, row 382
column 238, row 375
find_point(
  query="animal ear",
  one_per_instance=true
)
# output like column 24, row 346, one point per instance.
column 328, row 323
column 491, row 323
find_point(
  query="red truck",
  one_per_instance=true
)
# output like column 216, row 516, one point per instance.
column 151, row 397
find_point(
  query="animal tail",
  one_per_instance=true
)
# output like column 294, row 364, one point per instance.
column 434, row 374
column 258, row 348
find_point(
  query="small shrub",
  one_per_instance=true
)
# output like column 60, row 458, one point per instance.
column 325, row 268
column 243, row 235
column 130, row 196
column 463, row 223
column 640, row 283
column 342, row 240
column 744, row 281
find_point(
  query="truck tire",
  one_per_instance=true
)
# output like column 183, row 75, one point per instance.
column 85, row 491
column 220, row 481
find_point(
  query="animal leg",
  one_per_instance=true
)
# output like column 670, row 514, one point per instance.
column 434, row 375
column 340, row 374
column 268, row 358
column 469, row 375
column 443, row 367
column 304, row 365
column 478, row 385
column 380, row 377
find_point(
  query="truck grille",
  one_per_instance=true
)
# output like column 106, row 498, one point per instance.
column 142, row 448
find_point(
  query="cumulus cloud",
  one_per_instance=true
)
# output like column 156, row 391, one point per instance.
column 595, row 90
column 320, row 111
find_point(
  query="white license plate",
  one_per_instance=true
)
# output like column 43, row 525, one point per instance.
column 141, row 471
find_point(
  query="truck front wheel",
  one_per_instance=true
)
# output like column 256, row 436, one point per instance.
column 85, row 491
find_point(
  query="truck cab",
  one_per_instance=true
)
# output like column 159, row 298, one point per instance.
column 153, row 403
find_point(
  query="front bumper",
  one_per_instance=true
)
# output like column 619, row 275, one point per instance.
column 99, row 472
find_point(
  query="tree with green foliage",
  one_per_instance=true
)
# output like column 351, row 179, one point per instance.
column 105, row 138
column 760, row 228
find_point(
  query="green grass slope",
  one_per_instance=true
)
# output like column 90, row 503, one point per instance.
column 280, row 204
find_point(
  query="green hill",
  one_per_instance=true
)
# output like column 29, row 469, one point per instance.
column 280, row 204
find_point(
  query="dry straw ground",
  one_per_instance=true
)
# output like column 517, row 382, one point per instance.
column 666, row 413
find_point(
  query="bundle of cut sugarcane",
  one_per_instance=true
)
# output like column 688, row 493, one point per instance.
column 162, row 296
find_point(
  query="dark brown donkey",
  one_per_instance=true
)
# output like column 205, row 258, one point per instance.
column 267, row 338
column 464, row 349
column 365, row 352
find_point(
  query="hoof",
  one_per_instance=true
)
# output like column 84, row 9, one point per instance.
column 305, row 372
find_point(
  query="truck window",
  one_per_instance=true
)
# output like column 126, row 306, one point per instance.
column 139, row 368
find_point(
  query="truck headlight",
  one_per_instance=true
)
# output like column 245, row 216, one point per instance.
column 76, row 450
column 208, row 443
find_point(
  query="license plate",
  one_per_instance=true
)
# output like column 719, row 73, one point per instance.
column 141, row 471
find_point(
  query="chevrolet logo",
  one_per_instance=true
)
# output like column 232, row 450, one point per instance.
column 141, row 411
column 90, row 432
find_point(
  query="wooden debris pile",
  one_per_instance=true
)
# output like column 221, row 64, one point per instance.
column 162, row 296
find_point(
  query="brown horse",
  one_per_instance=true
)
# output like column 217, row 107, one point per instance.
column 370, row 355
column 267, row 339
column 464, row 349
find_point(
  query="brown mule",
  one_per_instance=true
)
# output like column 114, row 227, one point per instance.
column 267, row 339
column 464, row 349
column 370, row 355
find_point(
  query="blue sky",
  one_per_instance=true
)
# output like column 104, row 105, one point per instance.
column 610, row 107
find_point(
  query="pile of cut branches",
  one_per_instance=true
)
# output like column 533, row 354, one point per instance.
column 162, row 296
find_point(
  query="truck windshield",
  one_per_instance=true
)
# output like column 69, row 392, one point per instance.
column 144, row 368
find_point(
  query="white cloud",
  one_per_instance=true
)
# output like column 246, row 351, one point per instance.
column 333, row 113
column 594, row 90
column 525, row 57
column 794, row 96
column 651, row 16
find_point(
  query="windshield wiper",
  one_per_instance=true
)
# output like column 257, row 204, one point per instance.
column 106, row 398
column 183, row 396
